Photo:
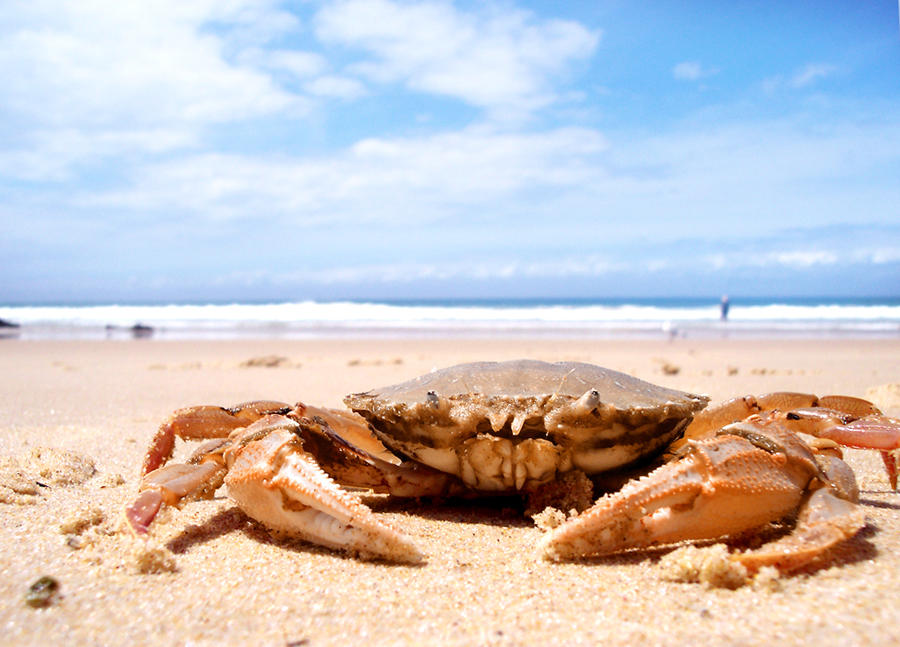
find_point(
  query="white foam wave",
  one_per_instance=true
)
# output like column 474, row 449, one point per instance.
column 316, row 317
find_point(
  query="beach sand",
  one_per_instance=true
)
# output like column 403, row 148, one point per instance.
column 225, row 580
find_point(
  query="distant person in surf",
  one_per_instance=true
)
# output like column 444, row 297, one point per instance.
column 724, row 307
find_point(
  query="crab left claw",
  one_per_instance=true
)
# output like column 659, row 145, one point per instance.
column 753, row 472
column 287, row 491
column 272, row 469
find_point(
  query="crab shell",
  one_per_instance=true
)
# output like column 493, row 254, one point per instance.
column 504, row 426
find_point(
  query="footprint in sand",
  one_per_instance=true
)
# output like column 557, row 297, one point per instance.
column 397, row 361
column 267, row 361
column 666, row 367
column 28, row 478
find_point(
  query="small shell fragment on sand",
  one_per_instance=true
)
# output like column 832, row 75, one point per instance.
column 42, row 593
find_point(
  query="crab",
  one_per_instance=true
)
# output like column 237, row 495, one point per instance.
column 524, row 427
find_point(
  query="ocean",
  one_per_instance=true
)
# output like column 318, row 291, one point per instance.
column 606, row 318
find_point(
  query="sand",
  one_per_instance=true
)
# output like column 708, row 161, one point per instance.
column 224, row 580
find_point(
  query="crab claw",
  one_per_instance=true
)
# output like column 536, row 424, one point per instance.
column 271, row 474
column 723, row 486
column 824, row 521
column 276, row 482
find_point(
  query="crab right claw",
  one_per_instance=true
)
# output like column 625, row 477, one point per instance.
column 723, row 486
column 824, row 521
column 753, row 472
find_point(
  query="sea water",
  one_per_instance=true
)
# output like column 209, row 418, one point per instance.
column 638, row 317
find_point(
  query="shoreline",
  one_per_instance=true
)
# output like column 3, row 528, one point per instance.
column 746, row 330
column 490, row 318
column 482, row 584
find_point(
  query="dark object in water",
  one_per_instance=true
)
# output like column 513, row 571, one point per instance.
column 42, row 593
column 138, row 330
column 141, row 330
column 8, row 324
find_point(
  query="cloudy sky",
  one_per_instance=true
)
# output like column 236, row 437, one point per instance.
column 155, row 150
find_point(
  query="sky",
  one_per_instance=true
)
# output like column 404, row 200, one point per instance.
column 257, row 150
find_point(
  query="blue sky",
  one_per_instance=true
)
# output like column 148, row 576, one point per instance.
column 255, row 150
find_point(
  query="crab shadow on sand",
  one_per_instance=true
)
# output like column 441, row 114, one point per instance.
column 875, row 503
column 494, row 511
column 507, row 512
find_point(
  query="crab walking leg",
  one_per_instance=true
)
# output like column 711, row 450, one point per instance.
column 874, row 431
column 341, row 441
column 871, row 432
column 723, row 486
column 170, row 485
column 280, row 485
column 204, row 422
column 344, row 447
column 849, row 421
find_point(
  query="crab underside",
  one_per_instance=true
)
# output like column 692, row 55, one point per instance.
column 521, row 427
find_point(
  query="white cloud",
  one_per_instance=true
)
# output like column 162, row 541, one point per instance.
column 884, row 255
column 335, row 86
column 807, row 248
column 128, row 62
column 98, row 80
column 797, row 258
column 576, row 264
column 692, row 71
column 376, row 180
column 300, row 64
column 481, row 269
column 89, row 79
column 804, row 77
column 501, row 61
column 727, row 181
column 53, row 154
column 812, row 73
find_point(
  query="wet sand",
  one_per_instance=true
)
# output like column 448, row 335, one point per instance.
column 222, row 579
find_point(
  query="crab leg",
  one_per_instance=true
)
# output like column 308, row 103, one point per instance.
column 345, row 448
column 849, row 421
column 204, row 422
column 873, row 431
column 340, row 440
column 170, row 485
